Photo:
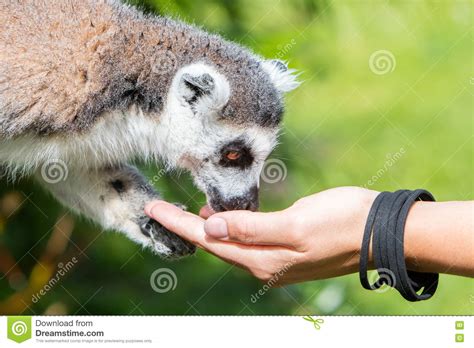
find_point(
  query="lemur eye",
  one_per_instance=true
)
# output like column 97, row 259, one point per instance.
column 233, row 155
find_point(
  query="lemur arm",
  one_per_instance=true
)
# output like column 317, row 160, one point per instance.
column 115, row 198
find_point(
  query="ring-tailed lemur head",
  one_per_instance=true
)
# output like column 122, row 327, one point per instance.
column 222, row 124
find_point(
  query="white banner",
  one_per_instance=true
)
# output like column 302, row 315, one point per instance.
column 238, row 331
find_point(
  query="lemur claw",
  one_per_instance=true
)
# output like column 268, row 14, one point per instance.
column 164, row 241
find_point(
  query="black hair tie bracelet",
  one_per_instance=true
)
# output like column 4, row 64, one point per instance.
column 385, row 227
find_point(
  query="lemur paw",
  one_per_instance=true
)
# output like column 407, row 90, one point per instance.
column 164, row 242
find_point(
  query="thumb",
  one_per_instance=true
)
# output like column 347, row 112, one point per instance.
column 250, row 227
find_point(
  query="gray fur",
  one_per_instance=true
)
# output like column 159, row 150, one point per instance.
column 109, row 52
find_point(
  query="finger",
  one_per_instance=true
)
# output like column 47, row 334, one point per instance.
column 251, row 227
column 206, row 211
column 184, row 224
column 191, row 227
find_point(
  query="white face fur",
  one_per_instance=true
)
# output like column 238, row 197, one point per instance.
column 225, row 159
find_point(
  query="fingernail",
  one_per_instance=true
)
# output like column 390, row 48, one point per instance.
column 216, row 227
column 149, row 207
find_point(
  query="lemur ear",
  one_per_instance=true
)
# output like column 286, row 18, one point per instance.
column 202, row 87
column 197, row 86
column 284, row 79
column 204, row 83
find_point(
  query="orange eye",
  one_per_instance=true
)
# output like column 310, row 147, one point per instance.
column 232, row 155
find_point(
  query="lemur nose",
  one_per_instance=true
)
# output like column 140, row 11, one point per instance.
column 249, row 201
column 240, row 205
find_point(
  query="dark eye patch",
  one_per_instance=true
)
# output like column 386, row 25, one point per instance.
column 243, row 161
column 118, row 186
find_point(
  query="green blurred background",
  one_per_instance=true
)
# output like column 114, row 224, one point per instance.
column 346, row 125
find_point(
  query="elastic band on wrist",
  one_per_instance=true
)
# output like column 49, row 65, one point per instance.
column 411, row 282
column 385, row 226
column 364, row 251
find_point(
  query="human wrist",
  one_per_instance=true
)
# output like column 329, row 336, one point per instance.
column 418, row 256
column 436, row 234
column 415, row 244
column 366, row 202
column 385, row 227
column 425, row 237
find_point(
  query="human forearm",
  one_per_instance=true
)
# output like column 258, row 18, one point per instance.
column 439, row 238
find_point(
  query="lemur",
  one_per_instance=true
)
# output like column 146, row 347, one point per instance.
column 94, row 84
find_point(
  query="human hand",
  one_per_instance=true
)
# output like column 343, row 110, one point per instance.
column 319, row 236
